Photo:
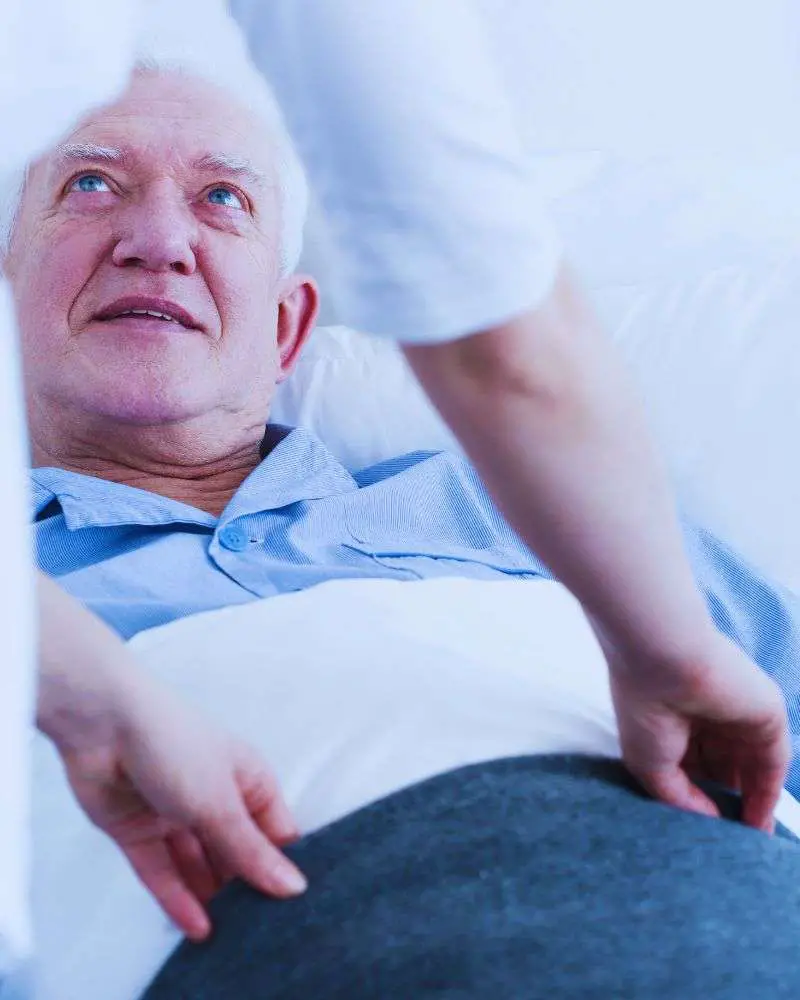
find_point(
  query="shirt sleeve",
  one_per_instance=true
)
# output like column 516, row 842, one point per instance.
column 433, row 223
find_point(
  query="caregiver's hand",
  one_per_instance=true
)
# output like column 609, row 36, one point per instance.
column 189, row 806
column 718, row 718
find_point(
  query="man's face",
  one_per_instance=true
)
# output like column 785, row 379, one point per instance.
column 145, row 262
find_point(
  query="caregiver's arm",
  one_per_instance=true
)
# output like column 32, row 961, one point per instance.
column 187, row 804
column 543, row 407
column 546, row 412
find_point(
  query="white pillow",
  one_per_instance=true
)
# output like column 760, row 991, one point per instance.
column 358, row 395
column 701, row 292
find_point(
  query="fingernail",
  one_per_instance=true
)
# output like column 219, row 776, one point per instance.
column 200, row 931
column 294, row 881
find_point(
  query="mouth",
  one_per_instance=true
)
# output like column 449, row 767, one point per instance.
column 150, row 312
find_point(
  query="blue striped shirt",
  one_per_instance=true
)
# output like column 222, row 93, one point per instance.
column 138, row 559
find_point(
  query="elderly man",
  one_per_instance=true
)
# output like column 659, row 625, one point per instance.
column 152, row 264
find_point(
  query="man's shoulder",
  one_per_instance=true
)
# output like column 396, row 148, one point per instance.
column 300, row 447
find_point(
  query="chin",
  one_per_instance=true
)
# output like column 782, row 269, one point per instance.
column 145, row 381
column 144, row 408
column 147, row 390
column 150, row 416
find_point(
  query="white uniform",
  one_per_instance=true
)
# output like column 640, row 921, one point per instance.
column 412, row 148
column 16, row 666
column 44, row 85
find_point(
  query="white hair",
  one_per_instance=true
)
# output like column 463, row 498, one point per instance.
column 198, row 38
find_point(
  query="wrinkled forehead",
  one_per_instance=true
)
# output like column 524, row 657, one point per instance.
column 172, row 119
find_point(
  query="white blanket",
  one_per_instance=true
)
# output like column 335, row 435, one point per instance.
column 351, row 690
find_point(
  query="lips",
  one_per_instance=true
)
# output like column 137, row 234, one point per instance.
column 143, row 307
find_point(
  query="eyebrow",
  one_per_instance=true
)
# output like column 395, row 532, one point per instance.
column 236, row 166
column 79, row 152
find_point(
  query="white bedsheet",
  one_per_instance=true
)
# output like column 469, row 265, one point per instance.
column 351, row 690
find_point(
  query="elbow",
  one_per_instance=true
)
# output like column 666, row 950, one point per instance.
column 514, row 362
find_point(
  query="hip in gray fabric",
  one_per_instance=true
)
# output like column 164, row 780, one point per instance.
column 541, row 877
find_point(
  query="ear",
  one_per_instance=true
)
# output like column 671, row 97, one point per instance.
column 298, row 306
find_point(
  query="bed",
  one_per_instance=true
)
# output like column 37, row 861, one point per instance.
column 361, row 705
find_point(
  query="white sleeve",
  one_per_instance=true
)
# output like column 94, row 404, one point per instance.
column 407, row 133
column 17, row 667
column 56, row 61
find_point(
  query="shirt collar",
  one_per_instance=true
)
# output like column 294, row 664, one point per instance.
column 299, row 467
column 87, row 502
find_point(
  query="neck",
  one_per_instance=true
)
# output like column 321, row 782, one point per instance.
column 202, row 467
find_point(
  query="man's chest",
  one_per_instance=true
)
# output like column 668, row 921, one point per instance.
column 138, row 577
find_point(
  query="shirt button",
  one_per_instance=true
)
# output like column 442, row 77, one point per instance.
column 234, row 538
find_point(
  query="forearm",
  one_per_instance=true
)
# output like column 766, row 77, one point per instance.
column 546, row 412
column 82, row 667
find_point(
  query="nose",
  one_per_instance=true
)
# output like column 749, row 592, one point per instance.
column 157, row 233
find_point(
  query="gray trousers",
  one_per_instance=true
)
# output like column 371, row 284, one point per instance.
column 541, row 877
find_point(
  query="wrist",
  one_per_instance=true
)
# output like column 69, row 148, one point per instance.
column 79, row 707
column 679, row 652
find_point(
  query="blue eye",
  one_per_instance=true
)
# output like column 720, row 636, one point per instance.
column 226, row 197
column 89, row 184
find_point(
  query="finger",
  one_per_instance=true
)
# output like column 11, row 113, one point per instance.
column 265, row 802
column 152, row 863
column 221, row 866
column 674, row 787
column 246, row 852
column 194, row 866
column 761, row 789
column 276, row 822
column 764, row 774
column 714, row 760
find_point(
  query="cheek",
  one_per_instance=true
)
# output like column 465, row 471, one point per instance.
column 243, row 282
column 57, row 266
